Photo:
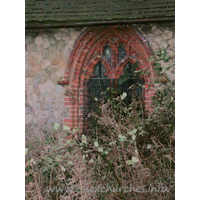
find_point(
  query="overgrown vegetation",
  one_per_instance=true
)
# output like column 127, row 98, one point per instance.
column 130, row 156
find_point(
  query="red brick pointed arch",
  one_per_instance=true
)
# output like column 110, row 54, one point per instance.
column 88, row 50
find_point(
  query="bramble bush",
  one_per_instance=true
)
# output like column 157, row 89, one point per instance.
column 129, row 148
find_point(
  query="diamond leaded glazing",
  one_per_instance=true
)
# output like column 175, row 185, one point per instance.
column 122, row 52
column 107, row 52
column 99, row 70
column 99, row 87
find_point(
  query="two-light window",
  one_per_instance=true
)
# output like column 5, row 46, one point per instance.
column 98, row 87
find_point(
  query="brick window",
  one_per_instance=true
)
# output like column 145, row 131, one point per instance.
column 100, row 88
column 104, row 54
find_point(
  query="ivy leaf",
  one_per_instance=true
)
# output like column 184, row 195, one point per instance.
column 132, row 132
column 130, row 162
column 122, row 138
column 125, row 78
column 62, row 168
column 56, row 126
column 91, row 161
column 152, row 59
column 100, row 149
column 66, row 128
column 70, row 163
column 120, row 81
column 68, row 141
column 114, row 142
column 56, row 164
column 148, row 146
column 133, row 137
column 26, row 151
column 83, row 137
column 134, row 159
column 75, row 130
column 122, row 97
column 96, row 144
column 124, row 94
column 142, row 132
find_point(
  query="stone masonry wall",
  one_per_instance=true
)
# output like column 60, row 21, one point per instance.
column 47, row 53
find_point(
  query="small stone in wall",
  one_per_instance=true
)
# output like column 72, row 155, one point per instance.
column 52, row 69
column 54, row 62
column 154, row 46
column 45, row 64
column 37, row 92
column 36, row 80
column 28, row 109
column 61, row 44
column 48, row 99
column 39, row 41
column 158, row 39
column 163, row 45
column 28, row 118
column 28, row 39
column 47, row 106
column 38, row 58
column 27, row 66
column 47, row 73
column 146, row 28
column 167, row 35
column 40, row 49
column 171, row 42
column 28, row 82
column 71, row 42
column 31, row 47
column 65, row 37
column 54, row 78
column 66, row 113
column 53, row 49
column 46, row 43
column 66, row 52
column 36, row 68
column 52, row 40
column 31, row 97
column 45, row 54
column 74, row 34
column 60, row 73
column 58, row 90
column 57, row 36
column 31, row 61
column 46, row 87
column 171, row 53
column 156, row 31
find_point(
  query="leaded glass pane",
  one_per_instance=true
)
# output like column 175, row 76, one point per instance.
column 107, row 52
column 96, row 91
column 133, row 88
column 99, row 70
column 130, row 68
column 122, row 52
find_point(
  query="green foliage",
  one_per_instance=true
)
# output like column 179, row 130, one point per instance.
column 137, row 145
column 128, row 73
column 127, row 149
column 52, row 163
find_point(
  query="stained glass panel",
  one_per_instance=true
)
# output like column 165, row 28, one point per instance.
column 122, row 52
column 107, row 52
column 130, row 68
column 99, row 70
